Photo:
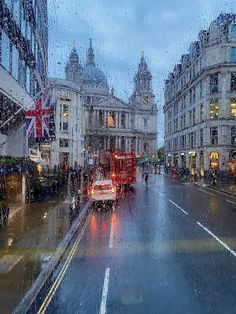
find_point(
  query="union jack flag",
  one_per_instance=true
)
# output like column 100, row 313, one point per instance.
column 38, row 118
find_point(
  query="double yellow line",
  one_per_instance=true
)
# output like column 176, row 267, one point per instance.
column 58, row 280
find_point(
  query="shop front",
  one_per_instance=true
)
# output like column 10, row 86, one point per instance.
column 176, row 161
column 232, row 163
column 214, row 161
column 192, row 162
column 183, row 160
column 201, row 163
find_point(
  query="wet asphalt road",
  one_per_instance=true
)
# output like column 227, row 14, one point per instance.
column 163, row 250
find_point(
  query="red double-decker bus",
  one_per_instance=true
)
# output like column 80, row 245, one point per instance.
column 123, row 168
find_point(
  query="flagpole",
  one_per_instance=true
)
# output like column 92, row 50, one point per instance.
column 23, row 108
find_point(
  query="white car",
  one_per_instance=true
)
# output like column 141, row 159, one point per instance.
column 103, row 194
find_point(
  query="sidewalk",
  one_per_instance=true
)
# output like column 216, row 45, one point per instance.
column 27, row 244
column 228, row 188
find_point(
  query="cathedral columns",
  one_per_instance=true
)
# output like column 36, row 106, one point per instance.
column 106, row 117
column 117, row 120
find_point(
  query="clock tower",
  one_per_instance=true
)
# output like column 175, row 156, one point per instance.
column 144, row 112
column 142, row 95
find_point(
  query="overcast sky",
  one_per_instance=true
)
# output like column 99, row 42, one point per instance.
column 122, row 29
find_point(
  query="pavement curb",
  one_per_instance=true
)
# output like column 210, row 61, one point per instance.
column 211, row 188
column 29, row 302
column 222, row 191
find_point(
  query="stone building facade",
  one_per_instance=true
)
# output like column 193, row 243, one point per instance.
column 68, row 146
column 200, row 102
column 109, row 123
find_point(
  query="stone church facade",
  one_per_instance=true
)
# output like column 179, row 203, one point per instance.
column 109, row 123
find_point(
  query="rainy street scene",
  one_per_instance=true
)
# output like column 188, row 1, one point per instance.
column 117, row 156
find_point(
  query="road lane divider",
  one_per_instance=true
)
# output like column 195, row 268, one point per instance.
column 176, row 205
column 111, row 236
column 59, row 278
column 217, row 239
column 161, row 194
column 103, row 307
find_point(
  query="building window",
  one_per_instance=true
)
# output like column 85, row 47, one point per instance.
column 190, row 96
column 5, row 53
column 233, row 108
column 27, row 83
column 214, row 83
column 132, row 122
column 122, row 144
column 190, row 117
column 16, row 11
column 111, row 120
column 201, row 113
column 15, row 62
column 64, row 143
column 233, row 31
column 182, row 141
column 194, row 94
column 192, row 139
column 145, row 122
column 214, row 110
column 214, row 135
column 233, row 55
column 201, row 89
column 201, row 137
column 123, row 120
column 145, row 147
column 65, row 126
column 101, row 118
column 233, row 135
column 9, row 4
column 233, row 82
column 65, row 110
column 194, row 116
column 23, row 22
column 22, row 72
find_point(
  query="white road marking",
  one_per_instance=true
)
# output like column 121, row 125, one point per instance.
column 161, row 194
column 111, row 236
column 231, row 202
column 217, row 239
column 186, row 213
column 206, row 192
column 103, row 307
column 59, row 278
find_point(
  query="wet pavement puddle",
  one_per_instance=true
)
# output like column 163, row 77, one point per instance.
column 8, row 262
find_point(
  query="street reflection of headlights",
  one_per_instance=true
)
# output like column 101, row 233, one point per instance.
column 10, row 241
column 45, row 215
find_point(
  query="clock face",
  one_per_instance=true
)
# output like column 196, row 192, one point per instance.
column 146, row 100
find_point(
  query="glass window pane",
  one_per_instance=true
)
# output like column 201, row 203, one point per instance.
column 8, row 3
column 5, row 56
column 233, row 30
column 15, row 62
column 16, row 11
column 233, row 55
column 27, row 79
